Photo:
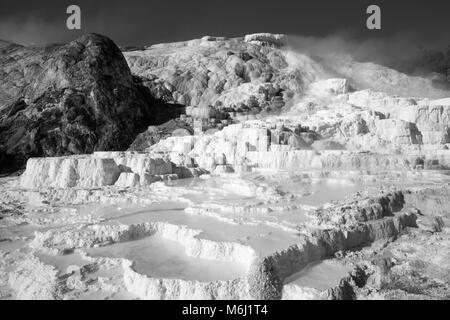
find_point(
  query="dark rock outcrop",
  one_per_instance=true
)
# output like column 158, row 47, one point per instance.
column 264, row 282
column 69, row 99
column 174, row 127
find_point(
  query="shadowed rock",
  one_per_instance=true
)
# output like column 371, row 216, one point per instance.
column 69, row 99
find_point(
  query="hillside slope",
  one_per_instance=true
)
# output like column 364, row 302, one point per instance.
column 68, row 99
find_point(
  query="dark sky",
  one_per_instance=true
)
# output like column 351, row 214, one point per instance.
column 145, row 22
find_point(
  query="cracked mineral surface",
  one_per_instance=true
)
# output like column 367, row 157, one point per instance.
column 282, row 180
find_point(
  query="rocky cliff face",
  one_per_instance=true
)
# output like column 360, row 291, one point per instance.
column 69, row 99
column 255, row 72
column 258, row 72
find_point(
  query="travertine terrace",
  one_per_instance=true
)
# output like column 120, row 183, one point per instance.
column 281, row 180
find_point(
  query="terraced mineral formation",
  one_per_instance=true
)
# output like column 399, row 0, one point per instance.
column 281, row 181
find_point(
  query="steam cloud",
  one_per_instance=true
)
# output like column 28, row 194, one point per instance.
column 397, row 51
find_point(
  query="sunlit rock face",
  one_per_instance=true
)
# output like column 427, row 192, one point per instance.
column 69, row 172
column 257, row 72
column 254, row 73
column 123, row 169
column 328, row 128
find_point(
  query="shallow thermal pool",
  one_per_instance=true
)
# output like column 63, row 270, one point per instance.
column 229, row 215
column 162, row 258
column 261, row 211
